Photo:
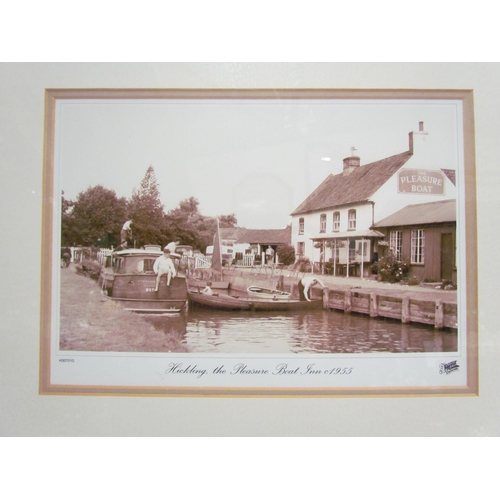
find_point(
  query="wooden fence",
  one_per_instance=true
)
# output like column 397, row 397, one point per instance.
column 79, row 254
column 248, row 260
column 202, row 262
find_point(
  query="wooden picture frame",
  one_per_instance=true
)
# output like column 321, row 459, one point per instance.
column 277, row 374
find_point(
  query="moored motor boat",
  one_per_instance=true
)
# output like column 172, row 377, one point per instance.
column 129, row 279
column 267, row 293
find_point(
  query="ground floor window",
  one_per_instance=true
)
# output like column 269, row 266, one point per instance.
column 363, row 250
column 300, row 248
column 396, row 243
column 417, row 246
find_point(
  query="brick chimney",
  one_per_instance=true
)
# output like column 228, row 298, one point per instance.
column 420, row 132
column 351, row 162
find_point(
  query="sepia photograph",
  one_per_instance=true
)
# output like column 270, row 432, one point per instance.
column 259, row 242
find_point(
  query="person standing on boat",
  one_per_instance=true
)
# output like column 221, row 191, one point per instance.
column 305, row 284
column 126, row 233
column 173, row 245
column 164, row 265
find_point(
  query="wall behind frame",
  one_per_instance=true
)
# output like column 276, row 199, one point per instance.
column 25, row 413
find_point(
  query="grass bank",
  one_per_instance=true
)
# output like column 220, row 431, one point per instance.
column 92, row 322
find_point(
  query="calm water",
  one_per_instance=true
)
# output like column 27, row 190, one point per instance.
column 208, row 331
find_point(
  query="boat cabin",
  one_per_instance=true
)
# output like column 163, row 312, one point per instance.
column 140, row 261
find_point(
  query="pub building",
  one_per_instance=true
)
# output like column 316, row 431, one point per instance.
column 336, row 225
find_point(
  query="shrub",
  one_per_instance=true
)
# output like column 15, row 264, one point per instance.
column 286, row 254
column 448, row 285
column 303, row 265
column 390, row 269
column 413, row 281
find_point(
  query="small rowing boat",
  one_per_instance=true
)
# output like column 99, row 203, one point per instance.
column 267, row 293
column 236, row 303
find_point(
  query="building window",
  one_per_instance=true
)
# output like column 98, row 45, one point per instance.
column 396, row 243
column 336, row 221
column 322, row 223
column 300, row 248
column 363, row 250
column 417, row 246
column 352, row 220
column 301, row 225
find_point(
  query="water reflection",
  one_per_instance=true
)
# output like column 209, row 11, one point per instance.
column 207, row 331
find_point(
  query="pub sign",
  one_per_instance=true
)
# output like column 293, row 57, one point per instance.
column 421, row 181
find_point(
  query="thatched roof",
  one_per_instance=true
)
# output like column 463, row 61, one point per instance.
column 358, row 186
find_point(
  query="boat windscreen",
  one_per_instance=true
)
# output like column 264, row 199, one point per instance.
column 145, row 265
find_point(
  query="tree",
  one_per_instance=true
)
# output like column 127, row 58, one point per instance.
column 96, row 218
column 228, row 220
column 185, row 223
column 68, row 236
column 146, row 210
column 188, row 225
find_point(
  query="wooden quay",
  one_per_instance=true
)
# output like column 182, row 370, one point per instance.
column 437, row 308
column 439, row 313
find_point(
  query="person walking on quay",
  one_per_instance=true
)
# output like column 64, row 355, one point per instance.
column 305, row 285
column 65, row 256
column 164, row 265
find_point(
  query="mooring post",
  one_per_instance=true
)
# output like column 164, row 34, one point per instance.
column 280, row 285
column 373, row 305
column 326, row 297
column 405, row 310
column 347, row 301
column 439, row 315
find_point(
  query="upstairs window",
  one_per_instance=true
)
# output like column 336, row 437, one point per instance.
column 336, row 221
column 322, row 223
column 301, row 225
column 352, row 220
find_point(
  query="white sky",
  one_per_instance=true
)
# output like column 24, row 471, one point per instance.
column 258, row 159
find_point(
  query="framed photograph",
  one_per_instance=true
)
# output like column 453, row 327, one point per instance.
column 264, row 242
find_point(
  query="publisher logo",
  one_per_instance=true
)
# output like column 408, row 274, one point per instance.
column 447, row 368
